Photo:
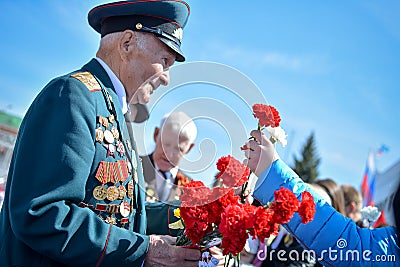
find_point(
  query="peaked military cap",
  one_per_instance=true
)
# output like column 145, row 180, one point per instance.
column 164, row 18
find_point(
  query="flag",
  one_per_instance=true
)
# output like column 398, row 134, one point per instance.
column 368, row 182
column 381, row 220
column 382, row 150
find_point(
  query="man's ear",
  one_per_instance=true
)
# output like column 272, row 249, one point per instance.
column 190, row 147
column 156, row 132
column 126, row 44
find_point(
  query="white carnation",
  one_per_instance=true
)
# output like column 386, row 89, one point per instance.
column 371, row 214
column 277, row 134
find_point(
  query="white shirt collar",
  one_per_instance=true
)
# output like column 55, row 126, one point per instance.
column 173, row 171
column 118, row 86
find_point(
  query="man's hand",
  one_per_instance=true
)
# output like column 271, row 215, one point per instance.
column 260, row 153
column 164, row 252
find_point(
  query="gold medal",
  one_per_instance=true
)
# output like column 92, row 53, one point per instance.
column 114, row 132
column 122, row 192
column 99, row 135
column 124, row 209
column 100, row 192
column 108, row 136
column 111, row 118
column 103, row 121
column 111, row 220
column 112, row 193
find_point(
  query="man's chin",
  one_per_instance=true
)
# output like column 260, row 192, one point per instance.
column 165, row 168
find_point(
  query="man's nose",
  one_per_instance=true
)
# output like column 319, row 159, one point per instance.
column 165, row 77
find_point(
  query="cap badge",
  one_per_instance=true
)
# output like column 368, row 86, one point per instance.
column 139, row 26
column 178, row 33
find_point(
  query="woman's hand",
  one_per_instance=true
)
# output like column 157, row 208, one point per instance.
column 260, row 152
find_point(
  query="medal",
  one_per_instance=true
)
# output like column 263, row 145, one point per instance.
column 122, row 192
column 111, row 150
column 99, row 135
column 100, row 192
column 103, row 121
column 111, row 220
column 111, row 118
column 108, row 136
column 124, row 221
column 114, row 132
column 131, row 189
column 124, row 209
column 112, row 193
column 113, row 208
column 120, row 149
column 123, row 169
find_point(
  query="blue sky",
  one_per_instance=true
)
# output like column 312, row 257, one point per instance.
column 330, row 67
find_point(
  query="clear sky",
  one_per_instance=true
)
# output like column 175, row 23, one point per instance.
column 329, row 67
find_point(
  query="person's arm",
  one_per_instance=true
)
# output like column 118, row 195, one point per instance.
column 159, row 216
column 334, row 238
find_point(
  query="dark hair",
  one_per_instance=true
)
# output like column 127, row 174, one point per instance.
column 335, row 193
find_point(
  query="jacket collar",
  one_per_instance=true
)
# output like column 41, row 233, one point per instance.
column 98, row 71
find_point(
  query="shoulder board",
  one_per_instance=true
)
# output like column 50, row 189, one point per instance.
column 87, row 79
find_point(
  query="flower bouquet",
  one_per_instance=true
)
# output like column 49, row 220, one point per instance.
column 208, row 214
column 218, row 216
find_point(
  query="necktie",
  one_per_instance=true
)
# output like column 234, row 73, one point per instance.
column 165, row 174
column 163, row 189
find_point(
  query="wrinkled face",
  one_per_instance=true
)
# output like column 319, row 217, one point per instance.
column 170, row 148
column 145, row 65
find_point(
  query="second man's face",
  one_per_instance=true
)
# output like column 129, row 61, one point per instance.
column 170, row 148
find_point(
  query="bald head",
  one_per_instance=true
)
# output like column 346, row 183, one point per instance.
column 174, row 139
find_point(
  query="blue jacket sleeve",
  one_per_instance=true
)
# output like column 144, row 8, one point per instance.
column 333, row 239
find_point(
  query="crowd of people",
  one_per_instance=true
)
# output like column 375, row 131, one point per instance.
column 89, row 199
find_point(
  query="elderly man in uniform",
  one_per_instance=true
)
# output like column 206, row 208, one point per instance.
column 173, row 139
column 75, row 191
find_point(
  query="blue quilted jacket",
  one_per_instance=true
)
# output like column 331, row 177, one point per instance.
column 331, row 238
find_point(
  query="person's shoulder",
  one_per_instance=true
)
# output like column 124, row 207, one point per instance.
column 87, row 79
column 68, row 85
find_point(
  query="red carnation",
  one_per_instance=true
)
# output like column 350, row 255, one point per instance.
column 220, row 198
column 195, row 193
column 232, row 172
column 264, row 225
column 307, row 207
column 196, row 221
column 284, row 205
column 266, row 115
column 233, row 228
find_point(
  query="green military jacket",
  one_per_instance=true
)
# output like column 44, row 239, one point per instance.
column 75, row 190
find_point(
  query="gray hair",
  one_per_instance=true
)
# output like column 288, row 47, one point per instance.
column 107, row 42
column 180, row 123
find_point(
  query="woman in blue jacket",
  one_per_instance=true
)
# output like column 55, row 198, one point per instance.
column 332, row 238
